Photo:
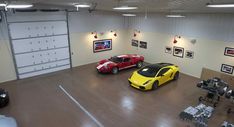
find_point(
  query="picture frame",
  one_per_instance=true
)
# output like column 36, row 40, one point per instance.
column 229, row 51
column 102, row 45
column 168, row 49
column 189, row 54
column 178, row 52
column 143, row 44
column 135, row 43
column 227, row 68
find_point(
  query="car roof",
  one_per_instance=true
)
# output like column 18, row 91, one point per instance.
column 159, row 65
column 127, row 55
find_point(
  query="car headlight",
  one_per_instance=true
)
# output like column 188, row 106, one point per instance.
column 146, row 82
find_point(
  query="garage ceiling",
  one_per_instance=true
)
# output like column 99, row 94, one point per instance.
column 181, row 6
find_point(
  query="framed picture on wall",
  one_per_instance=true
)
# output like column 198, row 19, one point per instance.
column 229, row 51
column 143, row 44
column 102, row 45
column 135, row 43
column 189, row 54
column 178, row 52
column 168, row 50
column 227, row 68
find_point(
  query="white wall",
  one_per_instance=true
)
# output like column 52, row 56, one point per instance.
column 81, row 24
column 212, row 32
column 7, row 70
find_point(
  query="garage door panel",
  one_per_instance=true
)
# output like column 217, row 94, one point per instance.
column 41, row 57
column 26, row 75
column 42, row 67
column 37, row 29
column 38, row 44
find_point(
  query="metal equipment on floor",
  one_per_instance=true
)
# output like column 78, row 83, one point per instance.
column 230, row 95
column 199, row 115
column 226, row 124
column 215, row 88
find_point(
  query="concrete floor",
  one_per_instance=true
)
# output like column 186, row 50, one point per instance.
column 39, row 102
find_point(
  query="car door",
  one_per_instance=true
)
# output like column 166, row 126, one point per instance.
column 163, row 75
column 127, row 62
column 121, row 64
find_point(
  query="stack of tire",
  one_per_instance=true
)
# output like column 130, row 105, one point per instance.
column 4, row 98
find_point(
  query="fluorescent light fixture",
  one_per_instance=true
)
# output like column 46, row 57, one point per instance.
column 129, row 15
column 175, row 16
column 19, row 5
column 2, row 5
column 82, row 5
column 220, row 5
column 125, row 8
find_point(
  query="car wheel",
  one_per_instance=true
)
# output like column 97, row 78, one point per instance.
column 176, row 76
column 229, row 111
column 139, row 64
column 115, row 70
column 155, row 85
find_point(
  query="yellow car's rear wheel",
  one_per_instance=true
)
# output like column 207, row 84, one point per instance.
column 155, row 85
column 176, row 76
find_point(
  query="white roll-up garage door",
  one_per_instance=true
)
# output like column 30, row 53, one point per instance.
column 39, row 46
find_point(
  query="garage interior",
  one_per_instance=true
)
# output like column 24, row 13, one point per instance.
column 48, row 61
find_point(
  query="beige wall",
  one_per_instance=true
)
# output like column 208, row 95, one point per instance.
column 7, row 70
column 156, row 30
column 82, row 46
column 208, row 53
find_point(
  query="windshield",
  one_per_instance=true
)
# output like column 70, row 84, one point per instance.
column 149, row 71
column 116, row 59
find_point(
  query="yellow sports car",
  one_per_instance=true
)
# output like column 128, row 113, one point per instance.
column 154, row 75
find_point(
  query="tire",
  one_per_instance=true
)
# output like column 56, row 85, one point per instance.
column 215, row 104
column 200, row 99
column 176, row 76
column 155, row 85
column 139, row 64
column 114, row 70
column 229, row 111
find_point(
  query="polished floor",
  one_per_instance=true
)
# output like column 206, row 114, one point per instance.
column 39, row 102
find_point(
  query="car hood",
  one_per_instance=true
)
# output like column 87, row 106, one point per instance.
column 106, row 63
column 136, row 78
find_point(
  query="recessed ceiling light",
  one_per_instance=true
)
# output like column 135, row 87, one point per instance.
column 220, row 5
column 175, row 16
column 125, row 8
column 2, row 5
column 82, row 5
column 129, row 15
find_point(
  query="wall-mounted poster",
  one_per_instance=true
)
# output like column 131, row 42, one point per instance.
column 227, row 68
column 143, row 44
column 168, row 49
column 102, row 45
column 229, row 51
column 135, row 43
column 178, row 51
column 189, row 54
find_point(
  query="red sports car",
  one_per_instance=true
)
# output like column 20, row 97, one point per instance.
column 116, row 63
